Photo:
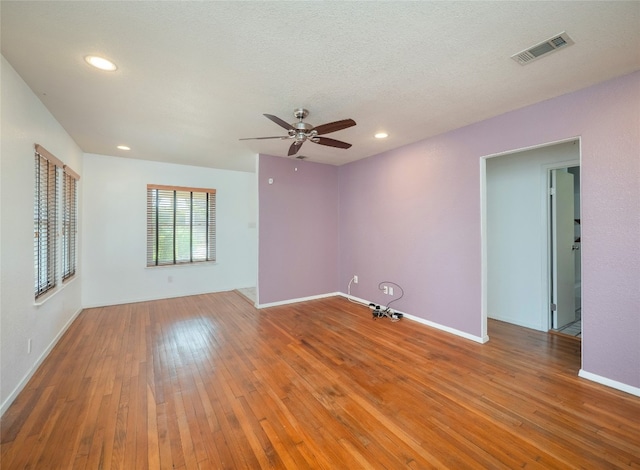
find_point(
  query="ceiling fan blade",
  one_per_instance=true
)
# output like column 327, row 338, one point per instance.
column 294, row 148
column 280, row 122
column 334, row 126
column 262, row 138
column 331, row 142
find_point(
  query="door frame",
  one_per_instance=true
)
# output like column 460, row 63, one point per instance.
column 549, row 242
column 544, row 222
column 549, row 261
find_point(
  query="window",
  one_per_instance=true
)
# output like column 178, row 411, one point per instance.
column 44, row 214
column 181, row 225
column 51, row 175
column 69, row 223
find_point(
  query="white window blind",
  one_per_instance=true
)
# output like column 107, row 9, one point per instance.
column 181, row 225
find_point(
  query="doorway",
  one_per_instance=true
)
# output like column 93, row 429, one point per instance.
column 564, row 250
column 516, row 237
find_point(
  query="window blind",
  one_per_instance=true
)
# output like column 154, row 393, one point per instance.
column 181, row 225
column 69, row 223
column 45, row 223
column 55, row 220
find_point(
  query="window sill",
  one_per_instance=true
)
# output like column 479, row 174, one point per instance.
column 184, row 265
column 49, row 295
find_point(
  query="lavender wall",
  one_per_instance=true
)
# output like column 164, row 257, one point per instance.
column 412, row 216
column 298, row 229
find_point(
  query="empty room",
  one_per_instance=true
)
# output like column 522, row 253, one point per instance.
column 319, row 234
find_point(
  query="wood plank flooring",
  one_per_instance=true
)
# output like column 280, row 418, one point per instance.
column 209, row 382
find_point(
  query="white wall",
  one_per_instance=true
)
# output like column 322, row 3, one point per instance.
column 114, row 232
column 25, row 121
column 516, row 236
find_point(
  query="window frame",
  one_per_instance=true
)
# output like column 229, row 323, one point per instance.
column 54, row 203
column 163, row 203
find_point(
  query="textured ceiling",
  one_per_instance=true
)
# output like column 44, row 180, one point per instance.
column 194, row 77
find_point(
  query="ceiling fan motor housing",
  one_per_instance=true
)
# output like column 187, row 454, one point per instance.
column 303, row 130
column 302, row 126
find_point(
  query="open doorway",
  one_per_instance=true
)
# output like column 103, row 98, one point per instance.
column 564, row 250
column 516, row 237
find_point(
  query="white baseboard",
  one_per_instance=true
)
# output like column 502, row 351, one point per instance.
column 462, row 334
column 609, row 383
column 294, row 301
column 13, row 395
column 355, row 299
column 135, row 300
column 437, row 326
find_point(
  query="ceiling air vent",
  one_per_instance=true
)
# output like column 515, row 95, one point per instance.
column 546, row 47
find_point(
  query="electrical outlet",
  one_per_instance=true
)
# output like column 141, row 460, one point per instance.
column 29, row 346
column 385, row 289
column 355, row 278
column 390, row 290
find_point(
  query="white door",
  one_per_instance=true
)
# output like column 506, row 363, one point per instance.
column 562, row 248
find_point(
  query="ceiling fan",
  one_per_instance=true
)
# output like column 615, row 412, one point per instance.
column 301, row 131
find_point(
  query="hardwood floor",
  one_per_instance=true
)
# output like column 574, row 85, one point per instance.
column 209, row 382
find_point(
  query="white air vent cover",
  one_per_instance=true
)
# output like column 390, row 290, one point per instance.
column 552, row 44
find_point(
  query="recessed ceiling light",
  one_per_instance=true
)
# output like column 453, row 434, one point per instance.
column 381, row 135
column 124, row 147
column 100, row 63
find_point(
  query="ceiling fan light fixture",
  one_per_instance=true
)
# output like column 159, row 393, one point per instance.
column 381, row 135
column 101, row 63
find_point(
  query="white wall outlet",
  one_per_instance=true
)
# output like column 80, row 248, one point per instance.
column 390, row 290
column 355, row 278
column 29, row 346
column 385, row 289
